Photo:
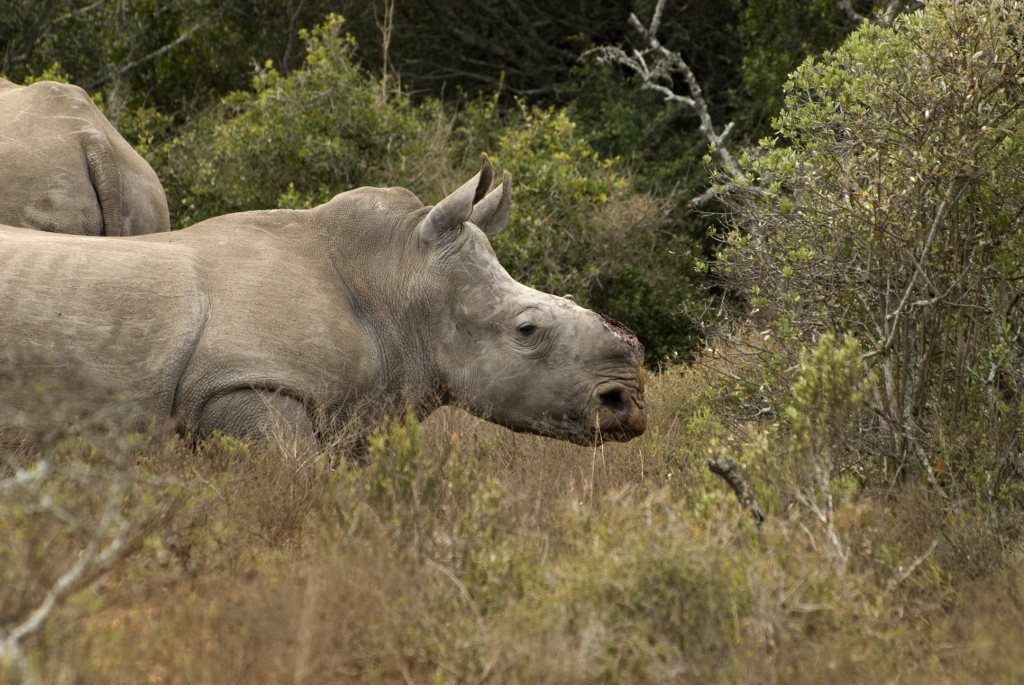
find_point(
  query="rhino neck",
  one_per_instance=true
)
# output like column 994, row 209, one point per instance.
column 371, row 250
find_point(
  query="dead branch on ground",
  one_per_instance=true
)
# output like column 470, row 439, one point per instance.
column 730, row 473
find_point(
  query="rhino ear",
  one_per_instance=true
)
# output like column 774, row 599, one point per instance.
column 491, row 214
column 454, row 210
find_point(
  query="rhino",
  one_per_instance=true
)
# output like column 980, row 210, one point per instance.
column 360, row 309
column 65, row 169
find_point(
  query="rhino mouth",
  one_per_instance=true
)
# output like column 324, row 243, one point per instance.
column 620, row 413
column 616, row 414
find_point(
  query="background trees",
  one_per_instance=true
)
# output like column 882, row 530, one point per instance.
column 890, row 207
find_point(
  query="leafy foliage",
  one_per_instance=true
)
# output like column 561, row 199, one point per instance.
column 175, row 56
column 580, row 228
column 295, row 140
column 895, row 215
column 777, row 35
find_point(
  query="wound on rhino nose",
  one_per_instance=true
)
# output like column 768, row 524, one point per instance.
column 622, row 333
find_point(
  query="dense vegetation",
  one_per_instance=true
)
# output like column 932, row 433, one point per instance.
column 861, row 361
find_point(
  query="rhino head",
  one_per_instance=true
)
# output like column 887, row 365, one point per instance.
column 524, row 359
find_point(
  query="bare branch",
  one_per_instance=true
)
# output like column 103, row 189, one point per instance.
column 825, row 514
column 109, row 534
column 657, row 77
column 45, row 32
column 386, row 27
column 936, row 222
column 292, row 29
column 885, row 18
column 24, row 478
column 847, row 7
column 904, row 573
column 730, row 472
column 656, row 19
column 95, row 557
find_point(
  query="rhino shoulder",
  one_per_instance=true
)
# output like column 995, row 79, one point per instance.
column 371, row 199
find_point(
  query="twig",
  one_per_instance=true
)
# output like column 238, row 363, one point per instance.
column 904, row 573
column 730, row 472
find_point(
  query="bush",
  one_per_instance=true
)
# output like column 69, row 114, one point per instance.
column 890, row 208
column 296, row 140
column 580, row 227
column 777, row 35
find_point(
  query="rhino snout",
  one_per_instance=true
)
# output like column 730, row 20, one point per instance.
column 620, row 412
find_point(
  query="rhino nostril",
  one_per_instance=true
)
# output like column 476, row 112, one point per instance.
column 620, row 412
column 614, row 399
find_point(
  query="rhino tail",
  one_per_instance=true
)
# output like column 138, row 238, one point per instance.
column 105, row 175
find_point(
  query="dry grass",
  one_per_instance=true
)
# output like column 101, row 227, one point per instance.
column 483, row 556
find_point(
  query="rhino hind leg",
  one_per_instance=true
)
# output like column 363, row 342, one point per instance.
column 256, row 414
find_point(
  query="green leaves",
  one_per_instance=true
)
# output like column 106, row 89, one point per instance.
column 895, row 215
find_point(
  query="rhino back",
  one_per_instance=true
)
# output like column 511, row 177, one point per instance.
column 64, row 167
column 124, row 315
column 278, row 318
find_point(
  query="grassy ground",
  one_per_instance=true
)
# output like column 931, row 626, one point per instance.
column 463, row 553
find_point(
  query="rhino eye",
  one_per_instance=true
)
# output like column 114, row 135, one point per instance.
column 527, row 328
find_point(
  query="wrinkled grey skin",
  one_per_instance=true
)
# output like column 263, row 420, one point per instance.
column 65, row 169
column 362, row 307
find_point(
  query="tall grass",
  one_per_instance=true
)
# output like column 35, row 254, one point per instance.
column 461, row 552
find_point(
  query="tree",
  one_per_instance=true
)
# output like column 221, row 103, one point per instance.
column 580, row 226
column 173, row 55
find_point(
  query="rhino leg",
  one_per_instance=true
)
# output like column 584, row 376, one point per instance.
column 255, row 413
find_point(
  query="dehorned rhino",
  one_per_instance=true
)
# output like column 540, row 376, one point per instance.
column 64, row 168
column 359, row 308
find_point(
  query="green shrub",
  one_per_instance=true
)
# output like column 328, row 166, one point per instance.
column 777, row 35
column 294, row 140
column 890, row 208
column 580, row 227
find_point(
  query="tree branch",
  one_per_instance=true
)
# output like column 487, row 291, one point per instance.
column 110, row 534
column 730, row 472
column 847, row 7
column 665, row 63
column 94, row 557
column 45, row 31
column 903, row 574
column 883, row 19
